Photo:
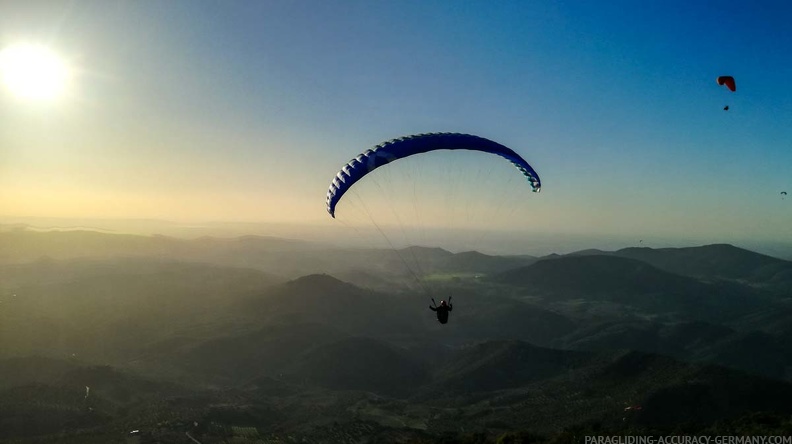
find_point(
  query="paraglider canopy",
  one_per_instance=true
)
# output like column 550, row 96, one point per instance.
column 396, row 149
column 727, row 81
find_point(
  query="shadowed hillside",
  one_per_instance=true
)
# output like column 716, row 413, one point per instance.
column 711, row 261
column 502, row 364
column 324, row 299
column 635, row 283
column 236, row 359
column 360, row 364
column 771, row 356
column 109, row 310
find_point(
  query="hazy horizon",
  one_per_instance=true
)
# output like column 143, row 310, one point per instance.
column 496, row 243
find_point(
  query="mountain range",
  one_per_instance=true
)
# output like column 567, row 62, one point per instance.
column 284, row 338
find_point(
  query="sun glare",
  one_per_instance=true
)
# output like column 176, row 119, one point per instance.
column 33, row 72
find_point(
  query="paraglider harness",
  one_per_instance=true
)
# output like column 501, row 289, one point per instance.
column 442, row 310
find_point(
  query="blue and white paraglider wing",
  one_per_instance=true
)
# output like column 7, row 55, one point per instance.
column 402, row 147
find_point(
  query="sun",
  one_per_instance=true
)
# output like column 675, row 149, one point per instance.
column 33, row 72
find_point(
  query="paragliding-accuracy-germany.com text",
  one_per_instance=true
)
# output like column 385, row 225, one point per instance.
column 684, row 439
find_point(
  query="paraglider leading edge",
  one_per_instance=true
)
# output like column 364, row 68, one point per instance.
column 395, row 149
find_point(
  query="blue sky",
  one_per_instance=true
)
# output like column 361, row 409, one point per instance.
column 244, row 110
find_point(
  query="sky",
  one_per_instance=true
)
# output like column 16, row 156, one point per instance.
column 243, row 111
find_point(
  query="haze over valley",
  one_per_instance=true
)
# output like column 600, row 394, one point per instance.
column 282, row 338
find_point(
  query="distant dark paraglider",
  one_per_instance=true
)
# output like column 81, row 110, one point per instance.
column 400, row 148
column 783, row 193
column 728, row 81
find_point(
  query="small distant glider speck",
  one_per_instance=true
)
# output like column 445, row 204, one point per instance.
column 728, row 82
